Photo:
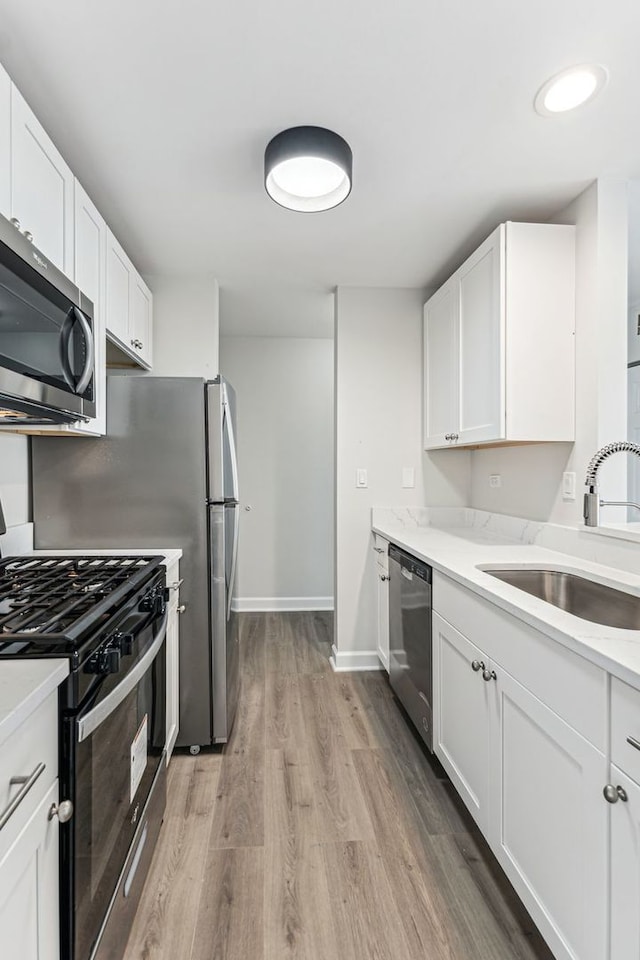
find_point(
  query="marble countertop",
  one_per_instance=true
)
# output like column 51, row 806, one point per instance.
column 24, row 685
column 460, row 550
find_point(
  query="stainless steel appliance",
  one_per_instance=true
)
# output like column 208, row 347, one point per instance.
column 165, row 475
column 46, row 338
column 410, row 639
column 108, row 616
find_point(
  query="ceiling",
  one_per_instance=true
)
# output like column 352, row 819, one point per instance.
column 163, row 109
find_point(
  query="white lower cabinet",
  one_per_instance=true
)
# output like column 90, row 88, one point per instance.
column 173, row 657
column 381, row 551
column 531, row 781
column 625, row 869
column 29, row 925
column 548, row 820
column 462, row 717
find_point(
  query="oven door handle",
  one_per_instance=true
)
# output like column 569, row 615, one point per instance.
column 92, row 720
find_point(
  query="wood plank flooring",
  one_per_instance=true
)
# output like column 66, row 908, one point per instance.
column 322, row 831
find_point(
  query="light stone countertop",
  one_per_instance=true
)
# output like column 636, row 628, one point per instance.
column 24, row 685
column 460, row 549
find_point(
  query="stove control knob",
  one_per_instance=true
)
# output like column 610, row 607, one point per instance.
column 108, row 661
column 154, row 603
column 126, row 643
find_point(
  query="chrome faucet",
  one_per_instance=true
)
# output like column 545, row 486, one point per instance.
column 592, row 501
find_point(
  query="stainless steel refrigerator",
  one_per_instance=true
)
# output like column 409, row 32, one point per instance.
column 164, row 476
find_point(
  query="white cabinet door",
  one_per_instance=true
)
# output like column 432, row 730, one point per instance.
column 481, row 348
column 118, row 295
column 29, row 924
column 140, row 315
column 549, row 822
column 382, row 574
column 440, row 344
column 90, row 274
column 5, row 143
column 462, row 709
column 173, row 677
column 41, row 186
column 625, row 870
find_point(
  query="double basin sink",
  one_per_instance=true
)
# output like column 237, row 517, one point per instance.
column 584, row 598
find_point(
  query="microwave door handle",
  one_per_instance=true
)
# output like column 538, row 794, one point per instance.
column 76, row 316
column 65, row 336
column 87, row 373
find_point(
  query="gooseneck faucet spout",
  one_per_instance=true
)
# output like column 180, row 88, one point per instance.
column 592, row 501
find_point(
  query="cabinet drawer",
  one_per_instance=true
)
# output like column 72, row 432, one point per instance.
column 571, row 686
column 625, row 728
column 33, row 743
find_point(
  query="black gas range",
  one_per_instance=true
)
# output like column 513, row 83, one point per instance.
column 107, row 616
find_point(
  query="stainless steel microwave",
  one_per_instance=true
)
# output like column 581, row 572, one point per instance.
column 47, row 354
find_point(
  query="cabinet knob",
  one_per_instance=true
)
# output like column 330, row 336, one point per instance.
column 613, row 794
column 63, row 811
column 489, row 675
column 477, row 665
column 384, row 576
column 181, row 608
column 447, row 436
column 454, row 436
column 15, row 222
column 27, row 235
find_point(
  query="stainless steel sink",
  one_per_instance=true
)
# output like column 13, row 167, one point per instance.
column 577, row 595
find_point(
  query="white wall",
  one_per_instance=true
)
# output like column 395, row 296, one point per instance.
column 284, row 390
column 378, row 345
column 14, row 479
column 532, row 476
column 185, row 326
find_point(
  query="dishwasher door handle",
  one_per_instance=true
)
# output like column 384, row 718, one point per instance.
column 406, row 573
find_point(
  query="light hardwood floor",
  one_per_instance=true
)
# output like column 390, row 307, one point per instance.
column 323, row 830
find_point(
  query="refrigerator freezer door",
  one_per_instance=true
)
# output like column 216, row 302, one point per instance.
column 225, row 647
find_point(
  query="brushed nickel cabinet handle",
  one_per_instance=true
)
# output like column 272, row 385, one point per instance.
column 27, row 783
column 63, row 811
column 181, row 608
column 613, row 794
column 477, row 665
column 176, row 584
column 384, row 576
column 489, row 675
column 633, row 742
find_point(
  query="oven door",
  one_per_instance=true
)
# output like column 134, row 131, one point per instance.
column 117, row 746
column 47, row 351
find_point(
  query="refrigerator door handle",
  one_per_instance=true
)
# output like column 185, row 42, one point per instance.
column 232, row 443
column 234, row 557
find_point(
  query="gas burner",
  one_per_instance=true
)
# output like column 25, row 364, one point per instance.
column 57, row 602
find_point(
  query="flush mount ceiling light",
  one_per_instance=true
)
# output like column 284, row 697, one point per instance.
column 308, row 169
column 570, row 88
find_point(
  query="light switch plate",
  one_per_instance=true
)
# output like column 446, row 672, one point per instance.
column 408, row 477
column 361, row 478
column 568, row 486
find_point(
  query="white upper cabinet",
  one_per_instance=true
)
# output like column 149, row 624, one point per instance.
column 129, row 307
column 440, row 353
column 499, row 328
column 42, row 187
column 141, row 306
column 5, row 143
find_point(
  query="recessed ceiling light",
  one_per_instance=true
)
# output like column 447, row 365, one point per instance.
column 308, row 169
column 570, row 88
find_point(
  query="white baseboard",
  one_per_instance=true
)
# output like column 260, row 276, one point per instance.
column 354, row 660
column 280, row 604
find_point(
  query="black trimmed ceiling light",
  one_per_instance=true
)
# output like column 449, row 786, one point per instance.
column 308, row 169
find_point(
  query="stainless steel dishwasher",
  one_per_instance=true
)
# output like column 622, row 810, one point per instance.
column 410, row 644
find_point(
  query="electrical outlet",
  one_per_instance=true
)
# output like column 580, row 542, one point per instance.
column 568, row 486
column 495, row 480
